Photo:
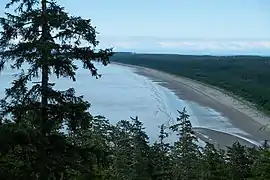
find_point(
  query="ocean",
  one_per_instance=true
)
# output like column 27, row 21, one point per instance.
column 120, row 93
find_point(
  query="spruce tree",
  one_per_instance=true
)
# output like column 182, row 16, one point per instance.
column 214, row 164
column 41, row 35
column 261, row 166
column 130, row 151
column 141, row 150
column 239, row 163
column 186, row 153
column 123, row 148
column 160, row 156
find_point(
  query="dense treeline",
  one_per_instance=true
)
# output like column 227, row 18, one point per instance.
column 245, row 76
column 48, row 134
column 121, row 152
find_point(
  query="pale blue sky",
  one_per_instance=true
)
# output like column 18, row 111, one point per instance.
column 180, row 26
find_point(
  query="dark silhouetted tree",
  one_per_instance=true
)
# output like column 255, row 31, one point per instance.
column 160, row 157
column 185, row 153
column 239, row 163
column 42, row 36
column 213, row 163
column 261, row 166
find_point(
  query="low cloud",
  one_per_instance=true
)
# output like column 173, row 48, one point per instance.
column 161, row 45
column 123, row 44
column 216, row 45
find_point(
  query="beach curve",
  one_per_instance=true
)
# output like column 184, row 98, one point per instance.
column 241, row 113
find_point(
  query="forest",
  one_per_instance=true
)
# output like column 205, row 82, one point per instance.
column 50, row 134
column 245, row 76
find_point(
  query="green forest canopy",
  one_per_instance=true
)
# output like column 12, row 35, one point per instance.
column 245, row 76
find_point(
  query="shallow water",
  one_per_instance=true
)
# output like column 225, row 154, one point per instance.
column 121, row 93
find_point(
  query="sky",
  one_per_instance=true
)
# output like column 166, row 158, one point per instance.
column 178, row 26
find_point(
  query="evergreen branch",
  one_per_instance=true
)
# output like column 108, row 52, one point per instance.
column 28, row 4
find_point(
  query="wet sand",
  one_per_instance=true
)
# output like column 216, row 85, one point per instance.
column 241, row 114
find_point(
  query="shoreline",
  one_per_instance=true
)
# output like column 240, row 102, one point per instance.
column 241, row 114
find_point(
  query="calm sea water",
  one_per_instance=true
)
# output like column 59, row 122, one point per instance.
column 120, row 94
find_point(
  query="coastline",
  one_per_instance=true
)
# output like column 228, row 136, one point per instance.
column 241, row 113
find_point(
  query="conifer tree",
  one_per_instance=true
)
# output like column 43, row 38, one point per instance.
column 214, row 165
column 130, row 150
column 41, row 35
column 160, row 156
column 239, row 163
column 261, row 166
column 141, row 150
column 186, row 154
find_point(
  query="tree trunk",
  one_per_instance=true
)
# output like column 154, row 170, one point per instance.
column 45, row 69
column 44, row 88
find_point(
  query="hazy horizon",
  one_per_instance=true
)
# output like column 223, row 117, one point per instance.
column 188, row 46
column 225, row 27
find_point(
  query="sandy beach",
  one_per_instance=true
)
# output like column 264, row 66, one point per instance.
column 241, row 114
